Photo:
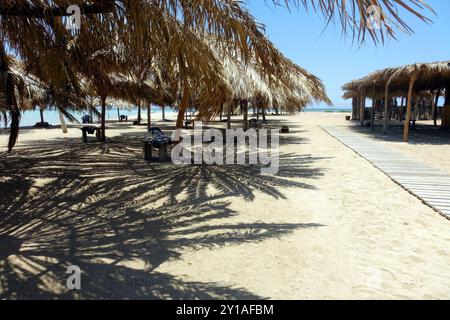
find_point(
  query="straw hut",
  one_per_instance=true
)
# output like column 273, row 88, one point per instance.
column 408, row 81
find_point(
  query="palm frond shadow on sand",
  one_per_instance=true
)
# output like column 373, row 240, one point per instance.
column 102, row 208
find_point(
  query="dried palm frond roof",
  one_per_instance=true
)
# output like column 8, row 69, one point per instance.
column 28, row 89
column 289, row 82
column 34, row 31
column 429, row 76
column 379, row 19
column 355, row 16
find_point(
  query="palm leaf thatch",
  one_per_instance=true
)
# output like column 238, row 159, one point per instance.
column 430, row 76
column 138, row 37
column 289, row 87
column 377, row 19
column 8, row 98
column 411, row 80
column 125, row 34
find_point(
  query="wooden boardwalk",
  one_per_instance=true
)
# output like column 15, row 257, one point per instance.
column 429, row 184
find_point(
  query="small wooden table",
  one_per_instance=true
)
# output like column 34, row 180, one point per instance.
column 90, row 130
column 148, row 151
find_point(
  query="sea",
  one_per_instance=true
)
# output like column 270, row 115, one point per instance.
column 29, row 118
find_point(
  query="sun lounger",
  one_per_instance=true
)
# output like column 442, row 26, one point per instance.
column 86, row 118
column 188, row 123
column 254, row 123
column 42, row 125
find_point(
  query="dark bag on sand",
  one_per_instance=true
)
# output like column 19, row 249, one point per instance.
column 157, row 138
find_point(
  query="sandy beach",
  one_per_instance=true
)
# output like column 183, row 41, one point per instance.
column 329, row 225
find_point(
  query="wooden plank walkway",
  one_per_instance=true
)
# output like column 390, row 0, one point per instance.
column 429, row 184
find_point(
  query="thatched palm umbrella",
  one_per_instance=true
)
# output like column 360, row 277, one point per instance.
column 17, row 91
column 288, row 86
column 34, row 30
column 30, row 92
column 61, row 57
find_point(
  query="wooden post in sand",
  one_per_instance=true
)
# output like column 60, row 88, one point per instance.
column 372, row 114
column 402, row 102
column 41, row 112
column 372, row 111
column 355, row 110
column 362, row 107
column 409, row 108
column 139, row 118
column 63, row 122
column 244, row 108
column 434, row 106
column 103, row 120
column 386, row 105
column 228, row 115
column 182, row 108
column 446, row 108
column 149, row 115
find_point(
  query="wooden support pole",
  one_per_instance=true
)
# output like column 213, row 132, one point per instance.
column 408, row 108
column 434, row 107
column 402, row 102
column 446, row 108
column 149, row 115
column 139, row 117
column 372, row 114
column 41, row 111
column 63, row 122
column 244, row 108
column 372, row 110
column 103, row 120
column 354, row 108
column 228, row 115
column 183, row 106
column 362, row 108
column 386, row 106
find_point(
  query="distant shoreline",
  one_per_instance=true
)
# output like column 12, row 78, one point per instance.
column 30, row 118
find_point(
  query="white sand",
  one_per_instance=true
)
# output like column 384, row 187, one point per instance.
column 350, row 232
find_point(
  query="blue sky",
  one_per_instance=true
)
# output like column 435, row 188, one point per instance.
column 300, row 35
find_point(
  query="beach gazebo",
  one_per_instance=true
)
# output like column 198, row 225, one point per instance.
column 408, row 81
